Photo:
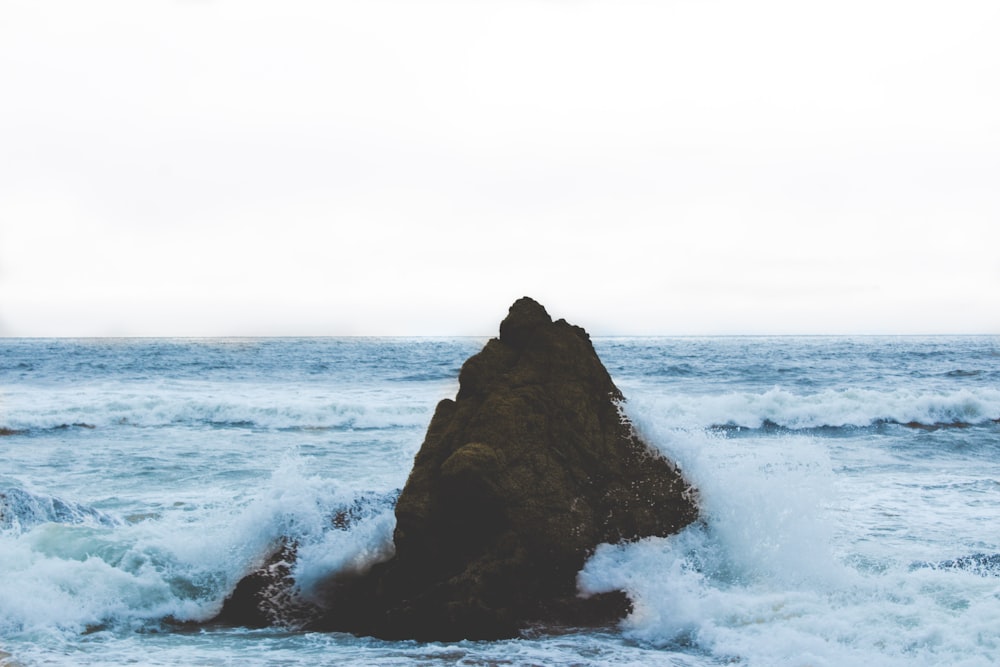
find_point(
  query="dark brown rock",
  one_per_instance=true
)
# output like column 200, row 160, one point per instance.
column 268, row 597
column 518, row 480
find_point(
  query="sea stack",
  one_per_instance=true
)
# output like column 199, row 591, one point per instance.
column 518, row 480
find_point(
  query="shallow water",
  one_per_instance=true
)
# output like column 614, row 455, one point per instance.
column 844, row 483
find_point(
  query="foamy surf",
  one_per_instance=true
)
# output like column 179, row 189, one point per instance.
column 848, row 407
column 80, row 571
column 840, row 525
column 194, row 403
column 775, row 576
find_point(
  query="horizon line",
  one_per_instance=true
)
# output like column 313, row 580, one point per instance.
column 487, row 336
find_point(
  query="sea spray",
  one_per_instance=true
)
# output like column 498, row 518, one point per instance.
column 761, row 581
column 58, row 576
column 763, row 526
column 364, row 541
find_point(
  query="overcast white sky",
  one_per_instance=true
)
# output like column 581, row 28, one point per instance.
column 301, row 167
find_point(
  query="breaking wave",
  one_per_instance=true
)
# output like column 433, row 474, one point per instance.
column 831, row 408
column 67, row 568
column 284, row 409
column 21, row 510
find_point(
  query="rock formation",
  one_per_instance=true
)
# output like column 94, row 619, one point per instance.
column 518, row 480
column 268, row 597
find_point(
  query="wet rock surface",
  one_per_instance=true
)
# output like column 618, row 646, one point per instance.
column 268, row 596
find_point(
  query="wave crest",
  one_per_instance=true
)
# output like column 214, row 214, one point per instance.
column 21, row 510
column 63, row 410
column 779, row 407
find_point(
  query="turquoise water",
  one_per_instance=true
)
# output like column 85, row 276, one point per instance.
column 846, row 482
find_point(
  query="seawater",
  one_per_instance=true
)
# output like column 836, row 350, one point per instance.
column 850, row 492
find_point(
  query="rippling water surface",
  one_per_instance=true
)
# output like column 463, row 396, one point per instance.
column 850, row 488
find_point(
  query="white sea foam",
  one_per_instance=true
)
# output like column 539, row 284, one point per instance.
column 836, row 408
column 317, row 407
column 59, row 577
column 764, row 580
column 895, row 618
column 291, row 408
column 366, row 542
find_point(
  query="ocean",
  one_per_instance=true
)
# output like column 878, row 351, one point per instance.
column 850, row 491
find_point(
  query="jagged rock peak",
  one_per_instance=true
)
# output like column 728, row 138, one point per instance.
column 522, row 319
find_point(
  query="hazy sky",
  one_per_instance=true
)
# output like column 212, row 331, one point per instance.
column 236, row 167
